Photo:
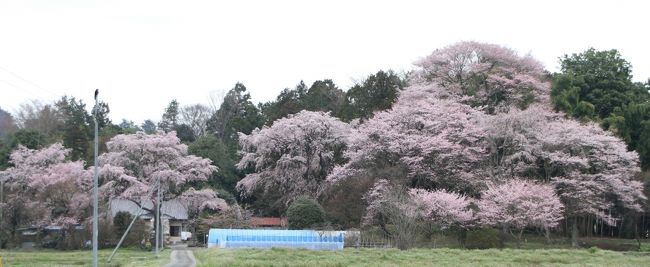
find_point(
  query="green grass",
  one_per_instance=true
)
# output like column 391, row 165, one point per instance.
column 124, row 257
column 419, row 257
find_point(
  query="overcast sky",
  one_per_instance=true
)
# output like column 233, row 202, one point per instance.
column 143, row 54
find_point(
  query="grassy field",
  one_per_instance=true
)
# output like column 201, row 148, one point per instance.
column 124, row 257
column 532, row 255
column 419, row 257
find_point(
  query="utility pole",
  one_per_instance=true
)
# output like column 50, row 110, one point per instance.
column 137, row 216
column 158, row 224
column 2, row 200
column 95, row 185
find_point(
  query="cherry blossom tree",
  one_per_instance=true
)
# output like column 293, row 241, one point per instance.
column 292, row 156
column 202, row 203
column 444, row 211
column 431, row 143
column 135, row 163
column 46, row 189
column 478, row 114
column 513, row 142
column 540, row 144
column 589, row 167
column 443, row 208
column 392, row 204
column 487, row 76
column 406, row 210
column 376, row 200
column 200, row 200
column 517, row 204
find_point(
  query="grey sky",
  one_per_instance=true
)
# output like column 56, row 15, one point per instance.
column 143, row 54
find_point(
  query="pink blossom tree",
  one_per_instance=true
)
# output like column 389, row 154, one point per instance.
column 512, row 141
column 392, row 204
column 487, row 76
column 202, row 203
column 135, row 163
column 200, row 200
column 455, row 128
column 376, row 200
column 292, row 156
column 430, row 143
column 590, row 168
column 407, row 210
column 45, row 189
column 445, row 209
column 517, row 204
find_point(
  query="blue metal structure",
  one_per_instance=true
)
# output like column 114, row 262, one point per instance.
column 262, row 238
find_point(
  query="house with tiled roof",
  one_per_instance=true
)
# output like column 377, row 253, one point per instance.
column 174, row 216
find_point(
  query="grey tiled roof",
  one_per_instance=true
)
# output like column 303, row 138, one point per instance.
column 172, row 209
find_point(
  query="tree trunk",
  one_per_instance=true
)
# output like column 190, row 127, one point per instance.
column 574, row 232
column 462, row 236
column 503, row 236
column 518, row 237
column 636, row 233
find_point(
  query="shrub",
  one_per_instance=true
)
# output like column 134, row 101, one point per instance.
column 72, row 238
column 106, row 238
column 482, row 238
column 136, row 236
column 235, row 217
column 121, row 221
column 305, row 213
column 227, row 196
column 610, row 244
column 593, row 249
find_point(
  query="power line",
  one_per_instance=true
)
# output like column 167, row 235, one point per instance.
column 43, row 90
column 32, row 94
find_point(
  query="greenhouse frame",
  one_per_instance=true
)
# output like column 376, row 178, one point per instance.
column 263, row 238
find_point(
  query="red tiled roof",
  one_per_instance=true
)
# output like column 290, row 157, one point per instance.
column 269, row 221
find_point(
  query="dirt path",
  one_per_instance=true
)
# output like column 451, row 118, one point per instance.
column 181, row 256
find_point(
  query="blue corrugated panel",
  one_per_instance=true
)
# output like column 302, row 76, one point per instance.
column 261, row 238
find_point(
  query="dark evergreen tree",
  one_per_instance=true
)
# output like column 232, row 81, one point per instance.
column 185, row 133
column 149, row 127
column 593, row 83
column 632, row 123
column 77, row 127
column 102, row 115
column 29, row 138
column 170, row 117
column 236, row 114
column 324, row 95
column 129, row 126
column 213, row 148
column 377, row 92
column 597, row 85
column 290, row 101
column 7, row 123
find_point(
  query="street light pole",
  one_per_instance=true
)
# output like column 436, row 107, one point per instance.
column 95, row 185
